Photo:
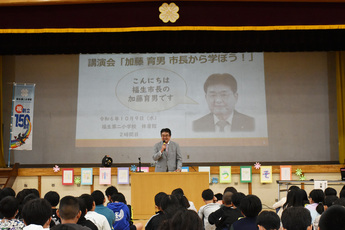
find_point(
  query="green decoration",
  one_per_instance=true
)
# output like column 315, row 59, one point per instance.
column 302, row 177
column 298, row 172
column 77, row 180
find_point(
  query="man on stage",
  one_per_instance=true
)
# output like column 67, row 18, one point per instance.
column 167, row 154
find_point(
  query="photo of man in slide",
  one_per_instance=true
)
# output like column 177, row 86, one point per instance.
column 221, row 96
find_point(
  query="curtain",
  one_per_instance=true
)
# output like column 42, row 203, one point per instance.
column 2, row 159
column 340, row 72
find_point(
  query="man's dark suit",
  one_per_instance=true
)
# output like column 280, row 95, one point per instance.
column 240, row 123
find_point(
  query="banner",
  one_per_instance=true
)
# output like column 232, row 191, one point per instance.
column 22, row 116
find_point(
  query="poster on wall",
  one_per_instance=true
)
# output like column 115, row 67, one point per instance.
column 285, row 172
column 266, row 174
column 22, row 116
column 86, row 176
column 225, row 174
column 104, row 175
column 246, row 174
column 67, row 176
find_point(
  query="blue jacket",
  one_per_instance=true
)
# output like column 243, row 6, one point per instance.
column 122, row 215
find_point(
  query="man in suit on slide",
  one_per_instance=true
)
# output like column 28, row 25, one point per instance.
column 221, row 96
column 167, row 154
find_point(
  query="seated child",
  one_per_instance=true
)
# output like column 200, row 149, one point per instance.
column 37, row 214
column 250, row 207
column 209, row 207
column 268, row 221
column 224, row 217
column 9, row 209
column 53, row 198
column 154, row 222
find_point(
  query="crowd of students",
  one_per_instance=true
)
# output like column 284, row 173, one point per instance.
column 230, row 210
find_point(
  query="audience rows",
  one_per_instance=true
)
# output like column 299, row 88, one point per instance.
column 321, row 210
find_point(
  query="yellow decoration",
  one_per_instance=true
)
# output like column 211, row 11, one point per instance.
column 169, row 12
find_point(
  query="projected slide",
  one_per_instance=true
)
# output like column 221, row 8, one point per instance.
column 207, row 99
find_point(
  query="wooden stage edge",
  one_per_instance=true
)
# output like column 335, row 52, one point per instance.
column 334, row 168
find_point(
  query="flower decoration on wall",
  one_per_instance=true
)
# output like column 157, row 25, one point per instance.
column 56, row 168
column 169, row 12
column 133, row 168
column 77, row 180
column 214, row 180
column 257, row 165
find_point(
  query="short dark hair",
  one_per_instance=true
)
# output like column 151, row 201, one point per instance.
column 221, row 79
column 52, row 197
column 251, row 206
column 227, row 198
column 22, row 194
column 98, row 196
column 330, row 192
column 35, row 191
column 166, row 130
column 207, row 194
column 236, row 198
column 333, row 218
column 219, row 196
column 9, row 206
column 230, row 189
column 69, row 207
column 29, row 197
column 88, row 199
column 37, row 211
column 7, row 191
column 119, row 197
column 329, row 200
column 296, row 218
column 340, row 201
column 293, row 187
column 158, row 198
column 177, row 191
column 110, row 191
column 269, row 220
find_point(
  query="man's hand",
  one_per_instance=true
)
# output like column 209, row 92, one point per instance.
column 177, row 170
column 164, row 146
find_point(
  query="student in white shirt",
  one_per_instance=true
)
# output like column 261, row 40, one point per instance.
column 99, row 220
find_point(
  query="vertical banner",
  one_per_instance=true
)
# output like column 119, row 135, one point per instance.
column 22, row 116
